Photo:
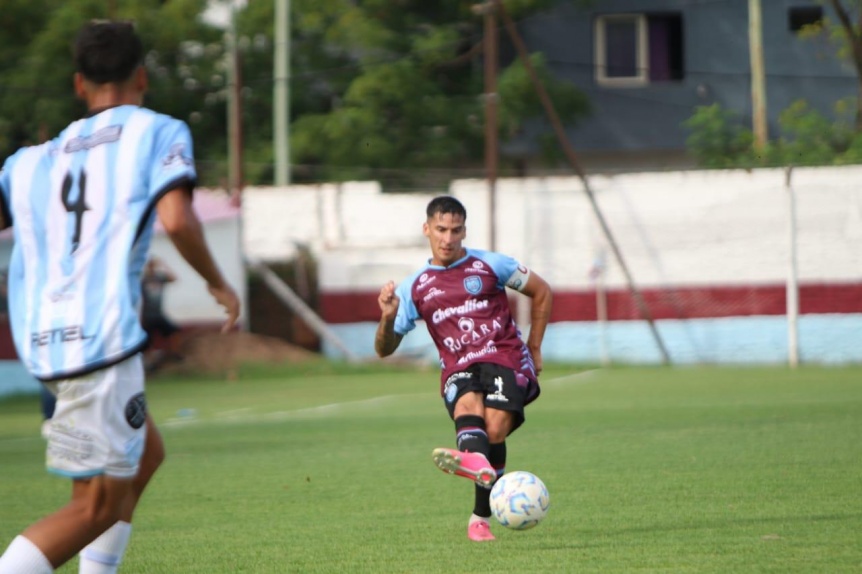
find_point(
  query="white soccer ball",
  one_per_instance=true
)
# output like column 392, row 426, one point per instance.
column 519, row 500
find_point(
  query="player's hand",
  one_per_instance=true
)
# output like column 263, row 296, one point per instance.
column 227, row 298
column 388, row 301
column 537, row 359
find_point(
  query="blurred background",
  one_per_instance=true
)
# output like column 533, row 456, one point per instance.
column 683, row 172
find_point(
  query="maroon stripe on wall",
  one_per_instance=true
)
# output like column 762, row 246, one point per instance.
column 669, row 303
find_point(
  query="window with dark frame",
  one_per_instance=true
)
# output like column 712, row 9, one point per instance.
column 800, row 16
column 638, row 49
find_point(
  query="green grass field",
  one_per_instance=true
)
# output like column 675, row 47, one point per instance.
column 327, row 469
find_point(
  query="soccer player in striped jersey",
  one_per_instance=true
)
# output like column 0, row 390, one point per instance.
column 488, row 373
column 83, row 207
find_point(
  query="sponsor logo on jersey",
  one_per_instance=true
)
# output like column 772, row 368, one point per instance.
column 176, row 156
column 469, row 306
column 478, row 264
column 433, row 292
column 102, row 136
column 59, row 335
column 473, row 285
column 472, row 355
column 424, row 281
column 472, row 334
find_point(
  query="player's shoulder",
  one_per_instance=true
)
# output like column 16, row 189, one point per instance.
column 417, row 277
column 492, row 258
column 26, row 153
column 161, row 120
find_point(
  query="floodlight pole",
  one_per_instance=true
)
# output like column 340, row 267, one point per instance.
column 281, row 96
column 234, row 111
column 758, row 74
column 560, row 132
column 792, row 276
column 490, row 44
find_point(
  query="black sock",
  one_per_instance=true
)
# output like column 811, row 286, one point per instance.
column 470, row 435
column 497, row 458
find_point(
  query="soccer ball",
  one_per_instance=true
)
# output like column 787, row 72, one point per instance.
column 519, row 500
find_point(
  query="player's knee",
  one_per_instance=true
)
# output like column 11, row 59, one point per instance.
column 497, row 433
column 99, row 513
column 155, row 452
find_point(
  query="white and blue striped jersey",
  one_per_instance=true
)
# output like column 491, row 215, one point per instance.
column 82, row 207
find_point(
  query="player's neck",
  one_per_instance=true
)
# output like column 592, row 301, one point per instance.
column 111, row 97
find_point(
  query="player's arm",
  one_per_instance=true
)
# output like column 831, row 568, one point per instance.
column 182, row 225
column 540, row 313
column 386, row 340
column 5, row 201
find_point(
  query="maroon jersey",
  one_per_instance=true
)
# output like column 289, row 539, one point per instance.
column 466, row 310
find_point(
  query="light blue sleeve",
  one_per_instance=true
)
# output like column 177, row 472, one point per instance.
column 6, row 190
column 504, row 267
column 405, row 320
column 173, row 159
column 5, row 198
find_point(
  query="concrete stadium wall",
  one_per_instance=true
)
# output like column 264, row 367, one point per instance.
column 710, row 249
column 186, row 301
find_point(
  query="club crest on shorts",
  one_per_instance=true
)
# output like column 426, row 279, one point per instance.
column 473, row 285
column 136, row 411
column 451, row 392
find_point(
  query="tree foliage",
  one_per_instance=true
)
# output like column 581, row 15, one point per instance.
column 719, row 139
column 384, row 89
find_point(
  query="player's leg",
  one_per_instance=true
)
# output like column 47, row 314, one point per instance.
column 94, row 506
column 465, row 403
column 104, row 554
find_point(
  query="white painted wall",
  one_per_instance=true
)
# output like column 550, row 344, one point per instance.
column 676, row 228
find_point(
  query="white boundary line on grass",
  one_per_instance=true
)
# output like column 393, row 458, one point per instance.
column 244, row 415
column 581, row 377
column 248, row 415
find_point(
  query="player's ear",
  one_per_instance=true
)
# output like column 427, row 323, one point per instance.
column 426, row 230
column 142, row 81
column 80, row 90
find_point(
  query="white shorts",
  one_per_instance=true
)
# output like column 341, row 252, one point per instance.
column 99, row 422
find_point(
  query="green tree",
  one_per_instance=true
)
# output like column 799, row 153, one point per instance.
column 847, row 34
column 36, row 97
column 380, row 89
column 393, row 94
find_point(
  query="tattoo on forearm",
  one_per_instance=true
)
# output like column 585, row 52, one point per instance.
column 386, row 340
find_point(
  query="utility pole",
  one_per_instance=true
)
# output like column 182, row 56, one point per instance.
column 569, row 151
column 490, row 42
column 758, row 75
column 281, row 95
column 234, row 111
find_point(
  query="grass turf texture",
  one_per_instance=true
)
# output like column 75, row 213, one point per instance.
column 328, row 469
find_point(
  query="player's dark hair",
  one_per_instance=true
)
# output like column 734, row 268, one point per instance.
column 445, row 204
column 108, row 52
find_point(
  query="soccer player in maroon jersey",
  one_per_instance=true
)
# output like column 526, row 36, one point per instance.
column 488, row 373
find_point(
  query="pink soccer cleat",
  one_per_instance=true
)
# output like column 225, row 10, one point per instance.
column 479, row 531
column 472, row 465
